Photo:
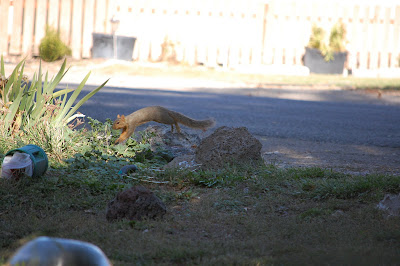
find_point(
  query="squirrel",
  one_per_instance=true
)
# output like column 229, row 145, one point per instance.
column 158, row 114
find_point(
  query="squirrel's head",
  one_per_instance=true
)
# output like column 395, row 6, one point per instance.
column 120, row 122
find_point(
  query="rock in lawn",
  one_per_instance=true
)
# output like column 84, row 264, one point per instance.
column 228, row 145
column 135, row 203
column 390, row 204
column 183, row 162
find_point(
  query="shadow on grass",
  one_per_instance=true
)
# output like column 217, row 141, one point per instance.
column 252, row 216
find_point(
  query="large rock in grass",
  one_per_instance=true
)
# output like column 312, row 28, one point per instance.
column 228, row 146
column 390, row 204
column 135, row 203
column 175, row 144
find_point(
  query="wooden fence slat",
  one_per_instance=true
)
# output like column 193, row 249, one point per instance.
column 396, row 38
column 53, row 14
column 301, row 30
column 29, row 23
column 88, row 18
column 4, row 8
column 110, row 12
column 76, row 30
column 132, row 10
column 278, row 28
column 235, row 45
column 376, row 40
column 363, row 49
column 291, row 39
column 267, row 33
column 100, row 16
column 40, row 24
column 352, row 37
column 144, row 39
column 16, row 35
column 65, row 22
column 384, row 60
column 212, row 34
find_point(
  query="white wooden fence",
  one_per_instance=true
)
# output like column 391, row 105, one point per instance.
column 225, row 32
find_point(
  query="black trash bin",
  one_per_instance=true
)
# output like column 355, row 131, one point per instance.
column 103, row 46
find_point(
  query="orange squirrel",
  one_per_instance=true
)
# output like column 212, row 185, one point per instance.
column 158, row 114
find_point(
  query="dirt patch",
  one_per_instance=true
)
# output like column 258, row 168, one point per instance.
column 352, row 159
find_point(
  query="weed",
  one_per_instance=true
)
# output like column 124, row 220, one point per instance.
column 51, row 47
column 314, row 212
column 355, row 186
column 314, row 173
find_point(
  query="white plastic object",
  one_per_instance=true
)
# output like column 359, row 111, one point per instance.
column 16, row 165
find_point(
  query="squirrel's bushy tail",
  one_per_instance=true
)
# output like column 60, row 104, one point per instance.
column 193, row 123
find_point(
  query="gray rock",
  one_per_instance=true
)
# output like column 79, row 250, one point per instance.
column 390, row 204
column 228, row 146
column 135, row 203
column 183, row 162
column 177, row 144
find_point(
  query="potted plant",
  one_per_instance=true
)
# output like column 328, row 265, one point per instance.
column 323, row 58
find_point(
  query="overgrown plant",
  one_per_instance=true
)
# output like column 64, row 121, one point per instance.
column 35, row 110
column 337, row 39
column 168, row 51
column 51, row 47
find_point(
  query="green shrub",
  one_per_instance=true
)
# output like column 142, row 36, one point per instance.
column 337, row 39
column 35, row 113
column 51, row 47
column 317, row 38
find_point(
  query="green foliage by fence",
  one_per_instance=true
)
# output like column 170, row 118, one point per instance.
column 51, row 47
column 337, row 39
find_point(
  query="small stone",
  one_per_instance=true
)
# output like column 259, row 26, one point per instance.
column 183, row 162
column 338, row 213
column 390, row 204
column 135, row 203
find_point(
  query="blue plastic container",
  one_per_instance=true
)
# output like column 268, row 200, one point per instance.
column 38, row 157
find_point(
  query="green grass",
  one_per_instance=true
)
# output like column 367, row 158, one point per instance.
column 263, row 216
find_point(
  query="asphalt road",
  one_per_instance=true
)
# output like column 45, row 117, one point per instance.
column 340, row 117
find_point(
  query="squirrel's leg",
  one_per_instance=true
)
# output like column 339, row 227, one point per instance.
column 178, row 129
column 125, row 135
column 172, row 128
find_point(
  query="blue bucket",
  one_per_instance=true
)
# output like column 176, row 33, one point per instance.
column 38, row 157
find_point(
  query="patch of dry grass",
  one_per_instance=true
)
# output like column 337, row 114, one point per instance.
column 262, row 80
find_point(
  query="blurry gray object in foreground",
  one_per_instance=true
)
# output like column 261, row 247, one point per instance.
column 48, row 251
